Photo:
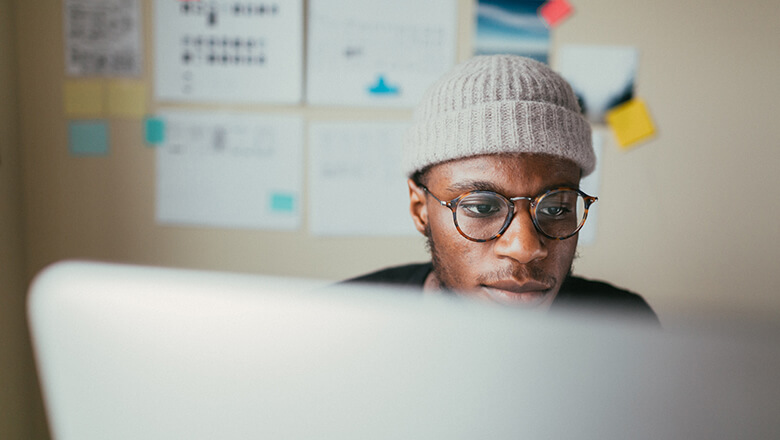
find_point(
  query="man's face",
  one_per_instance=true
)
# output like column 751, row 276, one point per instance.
column 522, row 267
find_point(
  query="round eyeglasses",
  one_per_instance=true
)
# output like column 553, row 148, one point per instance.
column 484, row 215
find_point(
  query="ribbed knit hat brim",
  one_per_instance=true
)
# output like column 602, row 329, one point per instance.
column 498, row 104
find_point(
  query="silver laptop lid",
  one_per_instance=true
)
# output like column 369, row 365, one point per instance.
column 128, row 352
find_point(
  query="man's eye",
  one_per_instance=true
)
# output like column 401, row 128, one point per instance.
column 554, row 211
column 480, row 209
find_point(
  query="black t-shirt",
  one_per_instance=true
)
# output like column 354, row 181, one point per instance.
column 577, row 294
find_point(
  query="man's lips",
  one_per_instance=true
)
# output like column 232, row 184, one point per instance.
column 511, row 292
column 519, row 287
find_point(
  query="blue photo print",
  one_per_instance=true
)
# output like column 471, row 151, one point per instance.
column 511, row 27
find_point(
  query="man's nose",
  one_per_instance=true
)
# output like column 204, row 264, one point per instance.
column 521, row 241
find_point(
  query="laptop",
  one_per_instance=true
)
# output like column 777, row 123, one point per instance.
column 133, row 352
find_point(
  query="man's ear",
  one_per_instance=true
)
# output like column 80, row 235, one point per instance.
column 418, row 206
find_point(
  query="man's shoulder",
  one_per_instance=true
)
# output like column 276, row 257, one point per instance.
column 410, row 275
column 579, row 293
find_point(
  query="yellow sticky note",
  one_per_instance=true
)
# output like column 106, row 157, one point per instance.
column 127, row 99
column 84, row 98
column 630, row 122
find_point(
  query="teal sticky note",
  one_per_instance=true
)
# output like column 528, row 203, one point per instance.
column 155, row 131
column 282, row 202
column 88, row 138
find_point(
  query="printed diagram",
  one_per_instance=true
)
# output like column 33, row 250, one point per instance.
column 382, row 59
column 388, row 46
column 198, row 50
column 235, row 140
column 382, row 88
column 364, row 157
column 231, row 170
column 103, row 38
column 216, row 50
column 211, row 10
column 377, row 53
column 229, row 51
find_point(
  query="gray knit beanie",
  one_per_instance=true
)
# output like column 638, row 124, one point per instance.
column 498, row 104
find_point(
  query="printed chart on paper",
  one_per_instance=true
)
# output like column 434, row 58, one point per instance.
column 378, row 53
column 102, row 38
column 247, row 51
column 230, row 170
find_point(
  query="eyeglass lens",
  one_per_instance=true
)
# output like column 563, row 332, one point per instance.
column 481, row 215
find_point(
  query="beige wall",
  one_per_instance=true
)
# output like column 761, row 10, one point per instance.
column 669, row 223
column 17, row 391
column 690, row 219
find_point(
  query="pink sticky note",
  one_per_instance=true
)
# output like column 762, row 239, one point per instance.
column 555, row 11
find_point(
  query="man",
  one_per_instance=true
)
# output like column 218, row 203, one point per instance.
column 494, row 158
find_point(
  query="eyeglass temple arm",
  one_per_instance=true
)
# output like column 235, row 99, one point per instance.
column 443, row 203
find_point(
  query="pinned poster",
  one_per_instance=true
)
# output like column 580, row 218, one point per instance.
column 591, row 185
column 378, row 53
column 359, row 162
column 226, row 51
column 103, row 37
column 511, row 27
column 555, row 11
column 631, row 123
column 83, row 99
column 602, row 76
column 127, row 99
column 228, row 170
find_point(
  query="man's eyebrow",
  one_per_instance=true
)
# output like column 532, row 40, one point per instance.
column 474, row 185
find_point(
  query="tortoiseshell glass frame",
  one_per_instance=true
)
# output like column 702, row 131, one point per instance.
column 534, row 202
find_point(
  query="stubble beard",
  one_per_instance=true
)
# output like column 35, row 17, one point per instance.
column 439, row 270
column 443, row 274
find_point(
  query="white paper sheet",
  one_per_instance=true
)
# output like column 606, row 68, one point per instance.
column 355, row 179
column 601, row 76
column 378, row 53
column 102, row 37
column 591, row 185
column 230, row 170
column 229, row 51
